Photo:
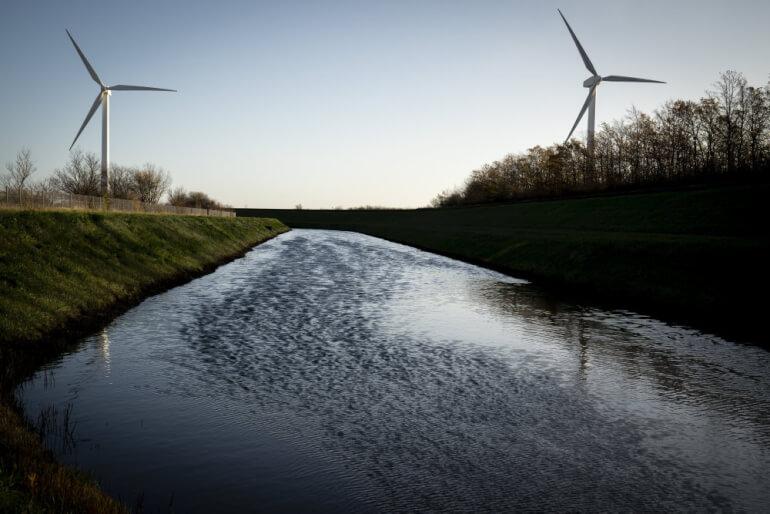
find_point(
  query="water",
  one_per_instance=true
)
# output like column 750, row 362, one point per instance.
column 335, row 371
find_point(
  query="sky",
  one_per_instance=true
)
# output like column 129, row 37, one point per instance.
column 340, row 104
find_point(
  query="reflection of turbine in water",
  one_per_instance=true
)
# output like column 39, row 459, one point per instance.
column 583, row 351
column 536, row 312
column 104, row 349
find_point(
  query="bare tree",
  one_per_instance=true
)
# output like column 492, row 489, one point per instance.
column 122, row 182
column 42, row 192
column 178, row 197
column 5, row 183
column 197, row 199
column 728, row 91
column 201, row 200
column 81, row 175
column 757, row 124
column 450, row 198
column 708, row 118
column 150, row 183
column 19, row 172
column 45, row 186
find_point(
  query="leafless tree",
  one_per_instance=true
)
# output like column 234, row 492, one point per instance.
column 19, row 172
column 177, row 197
column 81, row 175
column 708, row 118
column 150, row 183
column 197, row 199
column 200, row 200
column 729, row 90
column 42, row 192
column 45, row 186
column 757, row 125
column 728, row 132
column 122, row 180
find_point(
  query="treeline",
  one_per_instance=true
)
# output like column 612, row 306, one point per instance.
column 724, row 134
column 181, row 198
column 81, row 175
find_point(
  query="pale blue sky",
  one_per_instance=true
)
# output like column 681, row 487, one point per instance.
column 348, row 103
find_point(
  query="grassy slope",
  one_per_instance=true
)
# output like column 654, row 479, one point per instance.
column 63, row 272
column 694, row 255
column 57, row 268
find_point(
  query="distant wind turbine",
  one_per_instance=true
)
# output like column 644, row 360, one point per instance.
column 592, row 83
column 104, row 98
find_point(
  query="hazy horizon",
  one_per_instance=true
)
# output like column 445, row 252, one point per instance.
column 348, row 104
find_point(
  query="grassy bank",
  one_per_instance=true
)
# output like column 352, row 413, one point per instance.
column 697, row 255
column 61, row 275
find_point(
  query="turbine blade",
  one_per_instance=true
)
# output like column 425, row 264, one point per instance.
column 621, row 78
column 582, row 112
column 85, row 61
column 88, row 117
column 122, row 87
column 583, row 54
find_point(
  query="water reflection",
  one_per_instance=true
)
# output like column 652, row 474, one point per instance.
column 104, row 349
column 681, row 364
column 331, row 370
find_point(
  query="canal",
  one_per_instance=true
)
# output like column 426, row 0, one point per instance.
column 336, row 371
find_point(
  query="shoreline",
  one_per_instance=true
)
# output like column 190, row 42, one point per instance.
column 578, row 295
column 63, row 338
column 695, row 257
column 31, row 479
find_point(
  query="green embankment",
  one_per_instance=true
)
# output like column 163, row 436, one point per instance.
column 699, row 256
column 61, row 274
column 60, row 270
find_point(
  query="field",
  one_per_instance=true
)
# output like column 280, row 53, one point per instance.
column 694, row 255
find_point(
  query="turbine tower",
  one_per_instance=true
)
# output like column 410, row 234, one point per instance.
column 103, row 98
column 592, row 83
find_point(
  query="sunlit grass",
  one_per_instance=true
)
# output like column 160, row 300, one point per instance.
column 60, row 267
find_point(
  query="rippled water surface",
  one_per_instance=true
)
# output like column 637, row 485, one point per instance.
column 335, row 371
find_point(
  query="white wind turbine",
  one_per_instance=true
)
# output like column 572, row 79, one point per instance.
column 104, row 98
column 592, row 83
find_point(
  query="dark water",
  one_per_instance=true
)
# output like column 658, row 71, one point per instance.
column 335, row 371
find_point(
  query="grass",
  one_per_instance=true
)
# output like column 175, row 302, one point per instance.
column 32, row 481
column 57, row 268
column 61, row 274
column 696, row 255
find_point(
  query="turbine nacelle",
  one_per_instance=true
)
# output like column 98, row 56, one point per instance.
column 592, row 81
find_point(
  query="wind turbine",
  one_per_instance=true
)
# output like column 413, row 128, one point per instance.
column 592, row 83
column 104, row 98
